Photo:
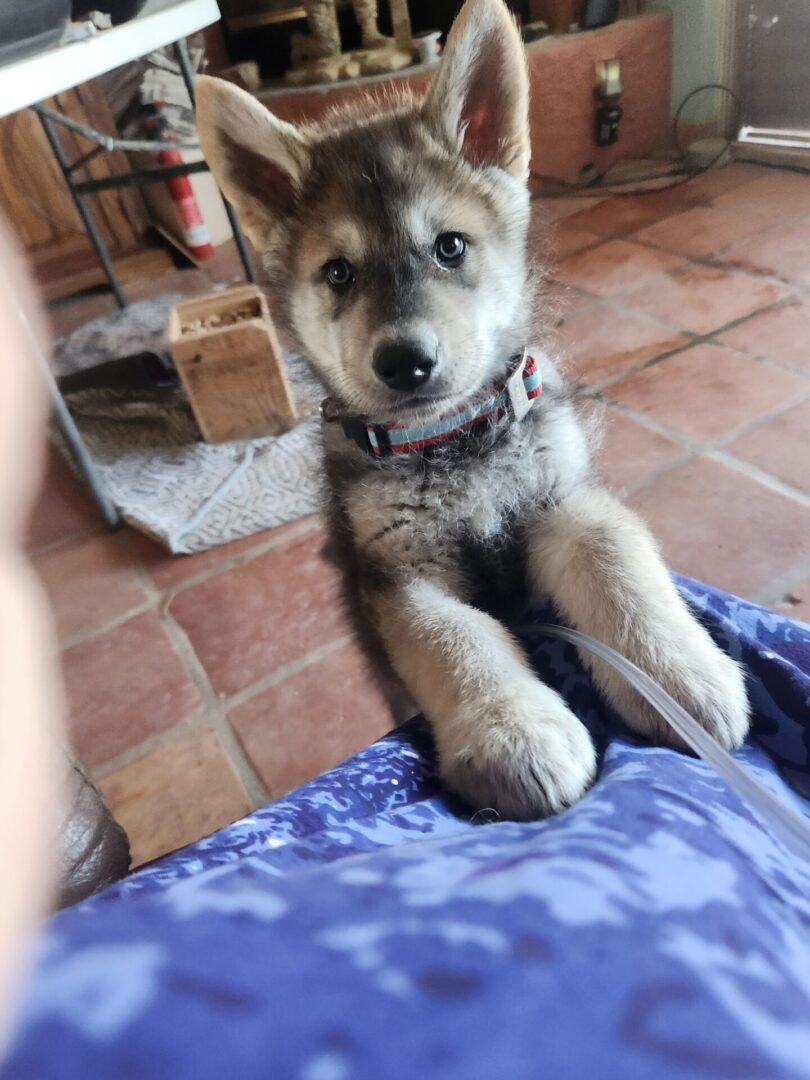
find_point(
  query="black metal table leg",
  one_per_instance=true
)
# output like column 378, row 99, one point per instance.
column 86, row 216
column 181, row 52
column 239, row 237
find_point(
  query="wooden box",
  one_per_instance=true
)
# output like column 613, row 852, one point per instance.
column 228, row 357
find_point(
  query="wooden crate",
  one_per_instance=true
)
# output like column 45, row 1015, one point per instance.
column 232, row 371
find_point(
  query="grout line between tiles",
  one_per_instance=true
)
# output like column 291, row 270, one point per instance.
column 82, row 637
column 576, row 251
column 139, row 569
column 648, row 422
column 655, row 474
column 694, row 339
column 772, row 593
column 695, row 443
column 772, row 226
column 65, row 541
column 618, row 298
column 701, row 338
column 158, row 599
column 284, row 672
column 293, row 532
column 712, row 448
column 711, row 259
column 764, row 478
column 214, row 713
column 648, row 279
column 146, row 746
column 729, row 437
column 595, row 389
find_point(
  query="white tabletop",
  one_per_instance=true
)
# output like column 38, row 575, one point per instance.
column 60, row 67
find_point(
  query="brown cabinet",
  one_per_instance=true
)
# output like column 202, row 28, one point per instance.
column 35, row 199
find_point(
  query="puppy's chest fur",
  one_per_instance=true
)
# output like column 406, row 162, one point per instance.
column 459, row 516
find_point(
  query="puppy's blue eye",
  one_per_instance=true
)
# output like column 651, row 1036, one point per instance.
column 449, row 248
column 339, row 275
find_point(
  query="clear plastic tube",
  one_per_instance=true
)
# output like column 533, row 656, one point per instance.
column 780, row 818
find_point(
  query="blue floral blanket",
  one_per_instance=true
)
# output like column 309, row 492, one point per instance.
column 368, row 926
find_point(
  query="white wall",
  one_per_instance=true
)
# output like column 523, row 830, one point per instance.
column 696, row 26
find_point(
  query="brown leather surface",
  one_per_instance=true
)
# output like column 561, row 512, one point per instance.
column 94, row 849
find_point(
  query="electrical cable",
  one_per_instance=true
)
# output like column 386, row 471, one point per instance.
column 597, row 185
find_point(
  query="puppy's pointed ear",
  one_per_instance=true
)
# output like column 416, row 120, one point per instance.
column 479, row 98
column 257, row 160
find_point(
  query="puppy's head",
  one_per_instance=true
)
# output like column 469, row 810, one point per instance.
column 396, row 238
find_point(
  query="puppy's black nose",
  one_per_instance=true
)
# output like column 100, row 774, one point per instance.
column 402, row 365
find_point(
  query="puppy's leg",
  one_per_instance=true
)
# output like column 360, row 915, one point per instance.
column 600, row 565
column 505, row 740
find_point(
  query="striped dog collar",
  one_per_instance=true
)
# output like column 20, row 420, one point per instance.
column 512, row 397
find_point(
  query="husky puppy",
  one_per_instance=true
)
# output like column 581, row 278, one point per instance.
column 395, row 239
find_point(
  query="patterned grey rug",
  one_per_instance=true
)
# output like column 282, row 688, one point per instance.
column 187, row 494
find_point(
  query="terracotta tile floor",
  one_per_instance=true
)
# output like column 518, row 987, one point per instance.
column 199, row 687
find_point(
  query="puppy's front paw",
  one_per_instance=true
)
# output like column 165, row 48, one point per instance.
column 525, row 755
column 702, row 679
column 711, row 687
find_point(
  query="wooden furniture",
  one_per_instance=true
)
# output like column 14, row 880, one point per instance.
column 38, row 205
column 29, row 80
column 228, row 357
column 559, row 14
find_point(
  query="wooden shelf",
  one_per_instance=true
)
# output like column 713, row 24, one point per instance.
column 250, row 20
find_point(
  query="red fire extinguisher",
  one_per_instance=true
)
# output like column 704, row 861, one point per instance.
column 195, row 231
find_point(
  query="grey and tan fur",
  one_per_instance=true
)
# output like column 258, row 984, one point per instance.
column 438, row 549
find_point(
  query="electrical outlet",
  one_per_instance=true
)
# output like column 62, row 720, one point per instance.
column 609, row 76
column 608, row 95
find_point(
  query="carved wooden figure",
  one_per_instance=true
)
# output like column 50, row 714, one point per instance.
column 317, row 56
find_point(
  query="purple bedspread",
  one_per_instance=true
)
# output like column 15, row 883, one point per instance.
column 368, row 926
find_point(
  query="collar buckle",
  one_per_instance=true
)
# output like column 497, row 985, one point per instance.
column 516, row 387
